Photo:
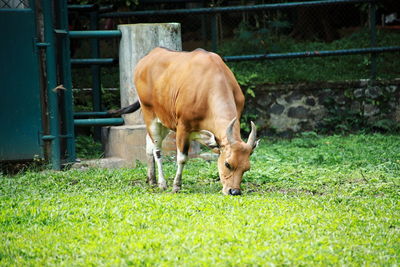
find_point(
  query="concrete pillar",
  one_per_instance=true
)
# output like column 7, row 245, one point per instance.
column 136, row 42
column 128, row 141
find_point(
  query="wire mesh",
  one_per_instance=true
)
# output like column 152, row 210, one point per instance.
column 311, row 28
column 295, row 29
column 4, row 4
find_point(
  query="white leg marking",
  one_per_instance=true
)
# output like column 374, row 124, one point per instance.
column 149, row 145
column 181, row 159
column 162, row 183
column 158, row 132
column 151, row 172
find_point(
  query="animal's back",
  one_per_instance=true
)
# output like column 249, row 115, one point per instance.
column 173, row 85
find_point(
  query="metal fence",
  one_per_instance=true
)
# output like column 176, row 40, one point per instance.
column 279, row 37
column 301, row 20
column 14, row 4
column 259, row 31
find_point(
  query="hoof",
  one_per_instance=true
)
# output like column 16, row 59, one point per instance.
column 162, row 185
column 152, row 182
column 176, row 189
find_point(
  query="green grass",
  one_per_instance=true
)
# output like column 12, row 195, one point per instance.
column 307, row 201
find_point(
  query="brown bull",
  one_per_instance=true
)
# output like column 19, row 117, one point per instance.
column 197, row 96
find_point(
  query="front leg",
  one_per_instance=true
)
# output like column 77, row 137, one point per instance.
column 181, row 159
column 162, row 183
column 182, row 150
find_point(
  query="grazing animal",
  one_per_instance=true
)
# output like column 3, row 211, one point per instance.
column 196, row 95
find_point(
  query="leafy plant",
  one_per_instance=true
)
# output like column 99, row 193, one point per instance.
column 245, row 122
column 88, row 148
column 351, row 116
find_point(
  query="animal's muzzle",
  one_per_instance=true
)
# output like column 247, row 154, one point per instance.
column 235, row 192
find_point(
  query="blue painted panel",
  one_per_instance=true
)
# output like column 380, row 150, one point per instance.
column 20, row 105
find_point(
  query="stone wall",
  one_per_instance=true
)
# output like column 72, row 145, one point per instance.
column 290, row 108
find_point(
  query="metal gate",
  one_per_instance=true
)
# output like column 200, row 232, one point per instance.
column 36, row 109
column 20, row 101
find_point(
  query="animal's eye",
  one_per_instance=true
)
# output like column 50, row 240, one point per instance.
column 228, row 165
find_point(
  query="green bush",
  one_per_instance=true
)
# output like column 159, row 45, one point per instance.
column 88, row 148
column 337, row 68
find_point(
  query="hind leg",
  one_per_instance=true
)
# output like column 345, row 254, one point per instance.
column 158, row 132
column 151, row 170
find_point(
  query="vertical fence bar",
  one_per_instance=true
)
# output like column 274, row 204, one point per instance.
column 51, row 83
column 372, row 24
column 214, row 32
column 203, row 25
column 67, row 82
column 96, row 83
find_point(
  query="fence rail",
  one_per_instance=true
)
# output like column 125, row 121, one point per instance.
column 95, row 34
column 214, row 11
column 217, row 10
column 94, row 61
column 99, row 122
column 341, row 52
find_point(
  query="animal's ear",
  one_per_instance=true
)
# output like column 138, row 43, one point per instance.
column 256, row 143
column 207, row 138
column 216, row 150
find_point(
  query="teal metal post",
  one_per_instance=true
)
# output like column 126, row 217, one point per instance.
column 67, row 82
column 372, row 22
column 96, row 83
column 51, row 83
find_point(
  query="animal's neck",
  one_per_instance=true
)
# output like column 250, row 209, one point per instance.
column 222, row 111
column 220, row 128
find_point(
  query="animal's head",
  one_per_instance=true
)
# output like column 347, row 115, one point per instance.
column 234, row 158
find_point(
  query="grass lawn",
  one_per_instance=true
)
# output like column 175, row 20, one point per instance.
column 308, row 201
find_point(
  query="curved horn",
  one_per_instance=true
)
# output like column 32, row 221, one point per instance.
column 253, row 134
column 229, row 132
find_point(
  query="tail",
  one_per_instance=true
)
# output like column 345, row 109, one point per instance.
column 129, row 109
